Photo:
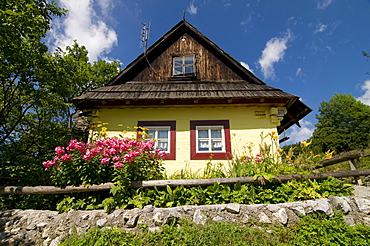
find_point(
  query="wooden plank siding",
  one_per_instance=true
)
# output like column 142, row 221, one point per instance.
column 208, row 66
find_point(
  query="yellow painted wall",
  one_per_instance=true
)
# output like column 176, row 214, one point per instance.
column 244, row 127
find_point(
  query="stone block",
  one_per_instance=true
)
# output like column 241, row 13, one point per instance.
column 199, row 217
column 233, row 208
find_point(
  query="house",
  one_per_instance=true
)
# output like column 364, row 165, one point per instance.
column 196, row 100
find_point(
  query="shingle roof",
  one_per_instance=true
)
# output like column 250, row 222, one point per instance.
column 183, row 90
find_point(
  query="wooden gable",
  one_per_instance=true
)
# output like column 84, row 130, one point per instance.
column 211, row 62
column 207, row 66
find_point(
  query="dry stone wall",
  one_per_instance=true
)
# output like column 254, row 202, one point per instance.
column 34, row 227
column 48, row 228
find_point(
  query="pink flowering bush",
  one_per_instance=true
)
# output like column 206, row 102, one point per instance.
column 104, row 160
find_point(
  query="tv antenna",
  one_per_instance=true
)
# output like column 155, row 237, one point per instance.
column 144, row 36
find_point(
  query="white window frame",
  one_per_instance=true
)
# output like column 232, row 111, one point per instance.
column 210, row 139
column 157, row 140
column 183, row 66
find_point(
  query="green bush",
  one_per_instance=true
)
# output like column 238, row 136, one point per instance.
column 270, row 193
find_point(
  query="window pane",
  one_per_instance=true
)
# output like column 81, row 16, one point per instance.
column 163, row 145
column 188, row 60
column 216, row 145
column 216, row 133
column 177, row 61
column 203, row 146
column 189, row 69
column 162, row 134
column 177, row 71
column 202, row 133
column 151, row 133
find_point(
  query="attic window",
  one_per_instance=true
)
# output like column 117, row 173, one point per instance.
column 183, row 65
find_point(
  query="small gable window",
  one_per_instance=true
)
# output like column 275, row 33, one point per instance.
column 184, row 65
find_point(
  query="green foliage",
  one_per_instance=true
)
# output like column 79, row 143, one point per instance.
column 23, row 24
column 344, row 124
column 86, row 203
column 18, row 201
column 315, row 229
column 271, row 193
column 36, row 88
column 319, row 229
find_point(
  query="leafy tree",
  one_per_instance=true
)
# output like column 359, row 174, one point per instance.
column 36, row 88
column 344, row 124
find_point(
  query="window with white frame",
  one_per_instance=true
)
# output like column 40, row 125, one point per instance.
column 164, row 132
column 184, row 65
column 161, row 134
column 210, row 139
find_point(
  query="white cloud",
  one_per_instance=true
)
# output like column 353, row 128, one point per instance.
column 106, row 6
column 245, row 22
column 320, row 28
column 192, row 9
column 83, row 24
column 365, row 98
column 273, row 53
column 322, row 4
column 299, row 72
column 299, row 134
column 246, row 66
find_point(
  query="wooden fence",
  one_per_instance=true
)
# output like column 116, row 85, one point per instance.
column 351, row 157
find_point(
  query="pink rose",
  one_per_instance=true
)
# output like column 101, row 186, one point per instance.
column 48, row 163
column 66, row 158
column 60, row 150
column 105, row 160
column 118, row 165
column 116, row 158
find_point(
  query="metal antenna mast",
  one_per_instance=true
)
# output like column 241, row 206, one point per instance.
column 144, row 36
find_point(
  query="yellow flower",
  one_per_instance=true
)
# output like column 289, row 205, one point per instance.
column 328, row 154
column 120, row 125
column 305, row 144
column 207, row 176
column 274, row 132
column 128, row 127
column 124, row 131
column 98, row 121
column 105, row 123
column 276, row 137
column 99, row 125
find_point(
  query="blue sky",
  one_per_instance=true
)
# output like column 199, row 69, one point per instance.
column 312, row 49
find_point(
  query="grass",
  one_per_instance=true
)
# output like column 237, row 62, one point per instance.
column 314, row 229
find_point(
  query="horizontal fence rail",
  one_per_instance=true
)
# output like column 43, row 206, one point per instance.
column 347, row 156
column 172, row 183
